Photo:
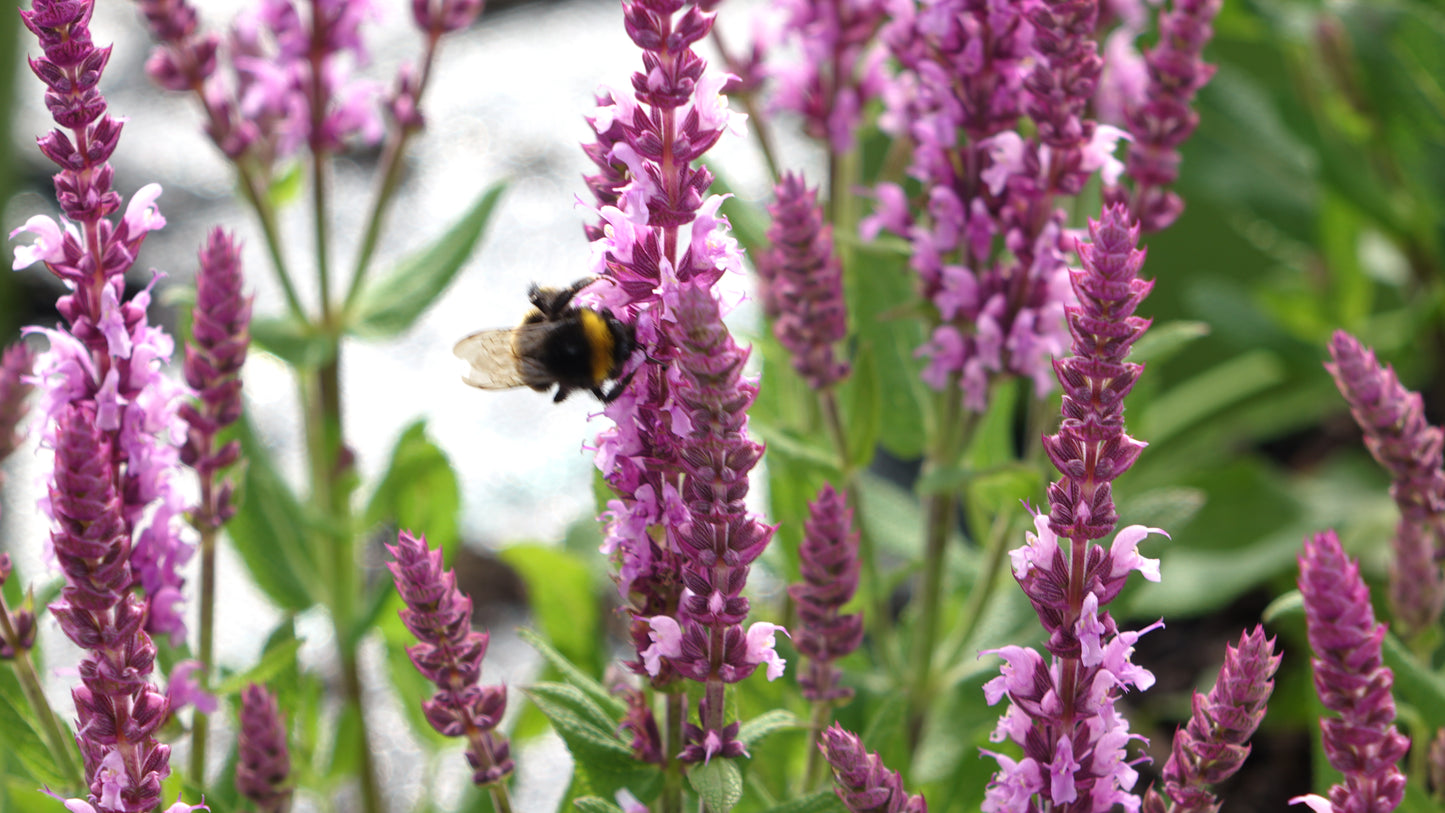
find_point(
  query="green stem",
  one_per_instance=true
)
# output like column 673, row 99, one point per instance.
column 390, row 177
column 672, row 746
column 812, row 772
column 272, row 235
column 983, row 589
column 59, row 744
column 953, row 430
column 760, row 128
column 200, row 725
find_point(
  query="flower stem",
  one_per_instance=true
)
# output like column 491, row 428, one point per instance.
column 761, row 131
column 671, row 746
column 200, row 725
column 59, row 744
column 983, row 589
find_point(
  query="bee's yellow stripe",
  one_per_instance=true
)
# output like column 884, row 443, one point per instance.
column 599, row 342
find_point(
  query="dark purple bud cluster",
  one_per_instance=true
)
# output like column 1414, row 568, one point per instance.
column 263, row 763
column 863, row 782
column 804, row 290
column 221, row 329
column 17, row 627
column 118, row 708
column 437, row 17
column 449, row 654
column 830, row 564
column 1215, row 743
column 1059, row 87
column 185, row 59
column 1091, row 447
column 1351, row 680
column 1397, row 434
column 1166, row 119
column 646, row 738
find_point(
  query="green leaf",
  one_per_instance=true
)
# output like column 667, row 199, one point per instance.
column 390, row 304
column 824, row 801
column 593, row 804
column 559, row 592
column 19, row 739
column 299, row 345
column 862, row 407
column 574, row 676
column 765, row 724
column 272, row 663
column 1209, row 392
column 1416, row 683
column 719, row 784
column 419, row 491
column 590, row 736
column 270, row 529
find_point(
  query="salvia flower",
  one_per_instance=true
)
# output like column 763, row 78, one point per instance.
column 1397, row 434
column 17, row 627
column 803, row 289
column 1351, row 680
column 118, row 708
column 449, row 653
column 1215, row 743
column 862, row 781
column 1165, row 119
column 1062, row 711
column 987, row 239
column 109, row 357
column 830, row 564
column 220, row 322
column 838, row 70
column 263, row 763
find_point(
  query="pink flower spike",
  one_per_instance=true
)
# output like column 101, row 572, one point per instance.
column 47, row 246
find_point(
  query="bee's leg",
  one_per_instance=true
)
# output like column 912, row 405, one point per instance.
column 617, row 389
column 562, row 392
column 564, row 296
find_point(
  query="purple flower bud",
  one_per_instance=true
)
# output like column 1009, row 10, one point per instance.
column 220, row 336
column 441, row 16
column 263, row 764
column 646, row 738
column 1091, row 448
column 829, row 563
column 17, row 628
column 1351, row 679
column 805, row 284
column 1216, row 741
column 1396, row 433
column 449, row 653
column 1061, row 84
column 863, row 782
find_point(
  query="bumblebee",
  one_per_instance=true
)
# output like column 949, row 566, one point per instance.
column 575, row 348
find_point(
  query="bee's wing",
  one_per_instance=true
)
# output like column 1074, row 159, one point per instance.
column 492, row 355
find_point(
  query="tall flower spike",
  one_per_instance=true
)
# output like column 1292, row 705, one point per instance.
column 840, row 68
column 449, row 653
column 221, row 327
column 1396, row 433
column 863, row 782
column 1062, row 712
column 1351, row 680
column 263, row 764
column 118, row 708
column 1215, row 743
column 110, row 357
column 804, row 284
column 1166, row 118
column 830, row 566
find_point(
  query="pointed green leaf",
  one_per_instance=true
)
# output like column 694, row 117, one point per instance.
column 270, row 529
column 718, row 783
column 764, row 724
column 590, row 736
column 389, row 304
column 273, row 662
column 419, row 491
column 20, row 739
column 1416, row 683
column 298, row 345
column 574, row 676
column 559, row 592
column 592, row 804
